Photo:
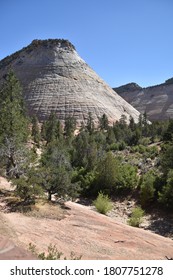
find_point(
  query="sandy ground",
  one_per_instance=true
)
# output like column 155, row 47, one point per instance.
column 85, row 232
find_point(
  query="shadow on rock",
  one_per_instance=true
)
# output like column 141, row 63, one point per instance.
column 161, row 226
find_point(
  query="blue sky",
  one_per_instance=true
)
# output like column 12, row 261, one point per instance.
column 122, row 40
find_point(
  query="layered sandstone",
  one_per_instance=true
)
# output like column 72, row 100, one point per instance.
column 156, row 101
column 56, row 79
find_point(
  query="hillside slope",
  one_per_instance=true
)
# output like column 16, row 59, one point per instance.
column 157, row 100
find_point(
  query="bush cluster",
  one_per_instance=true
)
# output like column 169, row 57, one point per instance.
column 85, row 164
column 136, row 217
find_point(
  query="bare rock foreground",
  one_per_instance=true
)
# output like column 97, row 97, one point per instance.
column 9, row 251
column 86, row 233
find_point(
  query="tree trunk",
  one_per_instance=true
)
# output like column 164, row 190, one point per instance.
column 12, row 168
column 49, row 195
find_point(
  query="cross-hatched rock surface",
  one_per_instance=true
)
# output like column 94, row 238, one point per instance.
column 156, row 101
column 56, row 79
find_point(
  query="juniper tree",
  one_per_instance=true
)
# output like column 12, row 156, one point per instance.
column 55, row 171
column 28, row 187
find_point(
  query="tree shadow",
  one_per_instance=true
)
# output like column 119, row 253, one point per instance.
column 10, row 203
column 161, row 225
column 85, row 201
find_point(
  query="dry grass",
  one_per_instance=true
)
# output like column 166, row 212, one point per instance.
column 42, row 208
column 47, row 210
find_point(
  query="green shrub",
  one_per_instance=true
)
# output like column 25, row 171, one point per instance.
column 114, row 147
column 106, row 173
column 166, row 194
column 127, row 177
column 139, row 149
column 113, row 176
column 144, row 141
column 147, row 188
column 152, row 152
column 136, row 217
column 52, row 253
column 122, row 145
column 102, row 203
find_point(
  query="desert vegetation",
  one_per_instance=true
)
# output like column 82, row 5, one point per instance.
column 52, row 253
column 137, row 217
column 102, row 203
column 99, row 163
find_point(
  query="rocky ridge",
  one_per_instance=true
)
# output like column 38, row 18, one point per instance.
column 56, row 79
column 156, row 101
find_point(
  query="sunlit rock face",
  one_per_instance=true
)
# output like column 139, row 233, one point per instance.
column 56, row 79
column 156, row 101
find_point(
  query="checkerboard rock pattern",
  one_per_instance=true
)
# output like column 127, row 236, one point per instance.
column 56, row 79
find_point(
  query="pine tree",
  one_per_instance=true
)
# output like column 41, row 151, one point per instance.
column 166, row 194
column 13, row 126
column 70, row 126
column 90, row 123
column 168, row 135
column 123, row 121
column 13, row 121
column 51, row 129
column 110, row 136
column 35, row 130
column 132, row 124
column 103, row 122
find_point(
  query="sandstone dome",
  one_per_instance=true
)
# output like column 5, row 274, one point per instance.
column 56, row 79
